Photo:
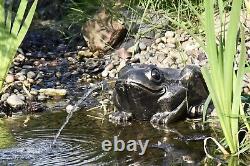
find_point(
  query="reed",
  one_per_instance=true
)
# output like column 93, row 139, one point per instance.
column 224, row 84
column 12, row 33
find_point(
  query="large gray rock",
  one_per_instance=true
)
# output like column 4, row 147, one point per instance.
column 15, row 101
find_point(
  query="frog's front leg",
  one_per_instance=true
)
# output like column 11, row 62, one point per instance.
column 121, row 116
column 168, row 117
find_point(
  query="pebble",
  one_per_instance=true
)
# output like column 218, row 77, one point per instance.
column 41, row 97
column 158, row 40
column 4, row 97
column 96, row 54
column 170, row 45
column 69, row 108
column 86, row 54
column 161, row 46
column 20, row 77
column 9, row 78
column 19, row 58
column 161, row 57
column 15, row 101
column 109, row 67
column 171, row 40
column 58, row 74
column 112, row 73
column 164, row 39
column 157, row 35
column 31, row 75
column 133, row 49
column 125, row 54
column 2, row 114
column 169, row 34
column 27, row 67
column 122, row 64
column 142, row 46
column 105, row 73
column 116, row 62
column 33, row 91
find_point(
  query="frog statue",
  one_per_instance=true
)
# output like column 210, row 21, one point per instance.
column 161, row 95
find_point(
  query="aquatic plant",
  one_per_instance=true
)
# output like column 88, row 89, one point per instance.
column 223, row 82
column 12, row 33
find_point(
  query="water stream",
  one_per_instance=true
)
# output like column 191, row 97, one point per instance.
column 76, row 108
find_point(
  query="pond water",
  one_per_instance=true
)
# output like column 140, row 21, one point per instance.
column 81, row 142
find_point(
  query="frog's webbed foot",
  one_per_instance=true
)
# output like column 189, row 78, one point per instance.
column 196, row 111
column 120, row 117
column 167, row 117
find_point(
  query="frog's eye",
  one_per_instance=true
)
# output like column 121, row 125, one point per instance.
column 156, row 75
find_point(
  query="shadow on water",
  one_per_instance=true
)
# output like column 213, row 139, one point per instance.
column 80, row 142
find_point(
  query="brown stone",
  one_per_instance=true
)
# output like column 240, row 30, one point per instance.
column 123, row 54
column 103, row 32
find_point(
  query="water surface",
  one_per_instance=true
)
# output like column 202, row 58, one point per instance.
column 80, row 142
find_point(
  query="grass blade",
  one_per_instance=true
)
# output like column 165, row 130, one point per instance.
column 19, row 17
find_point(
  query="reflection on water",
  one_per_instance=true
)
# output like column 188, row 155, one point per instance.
column 80, row 142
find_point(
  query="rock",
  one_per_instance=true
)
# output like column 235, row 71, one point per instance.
column 105, row 73
column 169, row 34
column 142, row 46
column 19, row 58
column 41, row 97
column 171, row 40
column 21, row 96
column 103, row 32
column 15, row 101
column 4, row 97
column 122, row 53
column 2, row 114
column 170, row 45
column 161, row 57
column 53, row 92
column 134, row 49
column 109, row 67
column 27, row 67
column 85, row 54
column 112, row 73
column 31, row 75
column 69, row 108
column 135, row 60
column 122, row 64
column 164, row 39
column 96, row 54
column 158, row 40
column 161, row 46
column 20, row 77
column 189, row 45
column 165, row 50
column 116, row 62
column 58, row 74
column 9, row 78
column 33, row 91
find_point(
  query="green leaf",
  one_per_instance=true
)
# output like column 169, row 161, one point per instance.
column 19, row 17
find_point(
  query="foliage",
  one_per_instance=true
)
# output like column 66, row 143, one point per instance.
column 223, row 83
column 12, row 32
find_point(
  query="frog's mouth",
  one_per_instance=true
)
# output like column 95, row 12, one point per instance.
column 160, row 90
column 154, row 89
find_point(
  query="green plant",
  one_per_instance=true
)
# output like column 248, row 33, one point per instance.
column 12, row 33
column 223, row 83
